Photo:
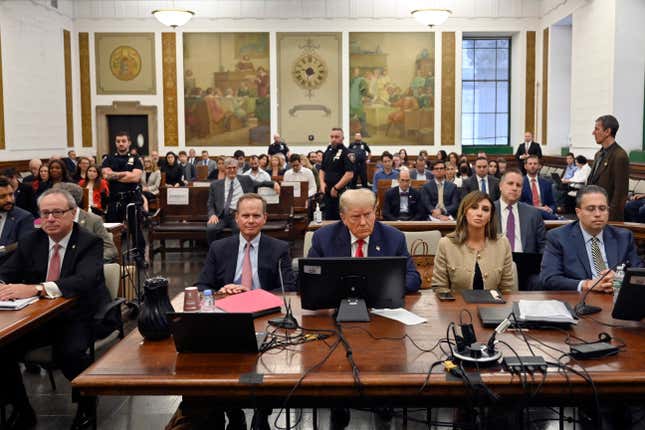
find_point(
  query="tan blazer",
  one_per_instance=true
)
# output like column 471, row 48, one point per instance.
column 454, row 265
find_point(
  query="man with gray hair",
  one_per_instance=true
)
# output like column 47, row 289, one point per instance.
column 91, row 222
column 223, row 197
column 59, row 259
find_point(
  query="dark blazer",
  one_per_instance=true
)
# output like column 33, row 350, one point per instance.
column 81, row 273
column 565, row 261
column 472, row 184
column 430, row 195
column 70, row 164
column 18, row 224
column 531, row 227
column 546, row 193
column 427, row 175
column 613, row 175
column 216, row 198
column 25, row 198
column 392, row 205
column 333, row 240
column 534, row 149
column 190, row 173
column 221, row 262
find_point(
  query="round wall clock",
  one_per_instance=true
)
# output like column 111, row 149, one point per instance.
column 309, row 71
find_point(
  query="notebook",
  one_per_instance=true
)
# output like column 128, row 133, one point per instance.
column 256, row 302
column 492, row 316
column 16, row 305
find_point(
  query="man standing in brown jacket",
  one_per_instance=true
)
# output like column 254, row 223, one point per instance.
column 611, row 166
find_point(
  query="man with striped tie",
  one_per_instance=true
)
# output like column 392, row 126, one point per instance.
column 578, row 254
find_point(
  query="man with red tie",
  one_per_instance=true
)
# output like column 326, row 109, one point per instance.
column 536, row 191
column 59, row 259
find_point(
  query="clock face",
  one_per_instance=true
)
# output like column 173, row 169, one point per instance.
column 309, row 71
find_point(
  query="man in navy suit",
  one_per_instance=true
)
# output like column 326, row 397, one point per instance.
column 420, row 173
column 440, row 205
column 15, row 223
column 578, row 254
column 242, row 262
column 521, row 224
column 358, row 234
column 526, row 149
column 481, row 180
column 403, row 203
column 536, row 191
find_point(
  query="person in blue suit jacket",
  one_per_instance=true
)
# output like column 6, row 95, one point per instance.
column 403, row 203
column 547, row 203
column 358, row 222
column 15, row 223
column 568, row 262
column 431, row 194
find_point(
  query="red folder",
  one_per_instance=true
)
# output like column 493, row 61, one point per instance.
column 257, row 302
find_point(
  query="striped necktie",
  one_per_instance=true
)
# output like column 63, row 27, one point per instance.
column 596, row 256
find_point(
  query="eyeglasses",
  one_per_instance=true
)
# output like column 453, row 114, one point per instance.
column 592, row 209
column 56, row 213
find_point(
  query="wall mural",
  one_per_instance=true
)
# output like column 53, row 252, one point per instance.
column 226, row 89
column 392, row 89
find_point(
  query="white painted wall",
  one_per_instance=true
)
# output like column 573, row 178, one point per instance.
column 559, row 91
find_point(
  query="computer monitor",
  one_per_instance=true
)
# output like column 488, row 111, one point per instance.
column 630, row 303
column 352, row 285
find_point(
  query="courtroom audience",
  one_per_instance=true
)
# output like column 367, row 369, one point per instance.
column 442, row 155
column 420, row 172
column 387, row 171
column 81, row 169
column 220, row 171
column 34, row 167
column 276, row 166
column 453, row 158
column 241, row 160
column 23, row 194
column 254, row 171
column 578, row 254
column 537, row 191
column 482, row 181
column 501, row 166
column 403, row 157
column 571, row 167
column 210, row 164
column 173, row 170
column 474, row 256
column 264, row 160
column 403, row 203
column 58, row 172
column 493, row 169
column 451, row 175
column 150, row 179
column 307, row 163
column 15, row 222
column 299, row 173
column 98, row 189
column 190, row 173
column 41, row 179
column 440, row 197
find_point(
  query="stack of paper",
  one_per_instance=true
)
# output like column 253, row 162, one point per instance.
column 14, row 305
column 402, row 315
column 544, row 310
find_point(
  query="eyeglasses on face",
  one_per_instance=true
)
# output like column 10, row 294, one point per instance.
column 56, row 213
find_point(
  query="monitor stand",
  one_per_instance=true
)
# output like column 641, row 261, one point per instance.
column 352, row 310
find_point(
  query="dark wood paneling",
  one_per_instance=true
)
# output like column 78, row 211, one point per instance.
column 545, row 83
column 529, row 110
column 86, row 95
column 69, row 111
column 448, row 56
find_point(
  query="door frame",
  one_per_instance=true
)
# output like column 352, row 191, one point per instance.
column 124, row 108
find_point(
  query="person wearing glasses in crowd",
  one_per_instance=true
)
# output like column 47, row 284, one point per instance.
column 474, row 256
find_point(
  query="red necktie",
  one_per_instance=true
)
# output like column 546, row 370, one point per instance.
column 247, row 270
column 53, row 273
column 359, row 248
column 534, row 192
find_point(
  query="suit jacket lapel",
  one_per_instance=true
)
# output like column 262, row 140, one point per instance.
column 9, row 225
column 343, row 242
column 231, row 260
column 524, row 226
column 611, row 247
column 581, row 249
column 70, row 252
column 375, row 246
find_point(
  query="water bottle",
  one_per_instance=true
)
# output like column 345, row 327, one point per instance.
column 618, row 280
column 208, row 301
column 318, row 214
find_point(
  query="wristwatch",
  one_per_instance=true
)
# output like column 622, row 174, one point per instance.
column 40, row 289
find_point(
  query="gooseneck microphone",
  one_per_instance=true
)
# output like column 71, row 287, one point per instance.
column 288, row 321
column 582, row 308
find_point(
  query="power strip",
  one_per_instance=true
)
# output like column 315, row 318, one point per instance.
column 588, row 351
column 530, row 363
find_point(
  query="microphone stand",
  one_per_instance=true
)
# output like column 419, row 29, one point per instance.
column 582, row 308
column 288, row 321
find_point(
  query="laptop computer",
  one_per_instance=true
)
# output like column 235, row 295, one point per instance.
column 210, row 332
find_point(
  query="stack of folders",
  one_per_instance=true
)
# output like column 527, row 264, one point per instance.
column 553, row 311
column 15, row 305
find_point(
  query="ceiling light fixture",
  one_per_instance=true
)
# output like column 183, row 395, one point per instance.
column 173, row 17
column 431, row 17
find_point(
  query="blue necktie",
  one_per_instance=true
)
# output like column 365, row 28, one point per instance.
column 484, row 186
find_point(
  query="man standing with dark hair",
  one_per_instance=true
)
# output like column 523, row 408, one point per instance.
column 70, row 161
column 526, row 148
column 611, row 166
column 335, row 173
column 362, row 152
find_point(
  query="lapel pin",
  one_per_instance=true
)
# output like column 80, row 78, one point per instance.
column 378, row 248
column 73, row 246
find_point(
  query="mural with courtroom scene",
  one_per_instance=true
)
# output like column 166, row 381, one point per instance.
column 392, row 87
column 226, row 89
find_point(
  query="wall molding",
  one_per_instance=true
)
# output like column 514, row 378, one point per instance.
column 170, row 114
column 529, row 111
column 69, row 102
column 448, row 85
column 545, row 83
column 86, row 91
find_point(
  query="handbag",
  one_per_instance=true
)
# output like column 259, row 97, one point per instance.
column 423, row 261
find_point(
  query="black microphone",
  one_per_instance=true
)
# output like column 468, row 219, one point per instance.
column 582, row 308
column 288, row 321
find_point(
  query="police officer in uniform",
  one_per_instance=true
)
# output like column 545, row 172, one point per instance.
column 123, row 171
column 277, row 146
column 362, row 151
column 336, row 172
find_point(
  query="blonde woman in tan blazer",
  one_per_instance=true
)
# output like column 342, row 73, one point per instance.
column 474, row 256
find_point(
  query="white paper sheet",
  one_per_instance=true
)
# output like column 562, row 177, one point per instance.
column 14, row 305
column 269, row 195
column 177, row 196
column 549, row 310
column 401, row 315
column 295, row 185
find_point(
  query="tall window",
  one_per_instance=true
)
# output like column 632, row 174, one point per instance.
column 485, row 89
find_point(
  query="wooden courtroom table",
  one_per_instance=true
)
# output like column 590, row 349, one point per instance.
column 446, row 227
column 14, row 324
column 391, row 371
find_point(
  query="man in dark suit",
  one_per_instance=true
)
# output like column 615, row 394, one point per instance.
column 578, row 254
column 206, row 161
column 223, row 197
column 15, row 223
column 520, row 223
column 70, row 161
column 420, row 173
column 23, row 194
column 59, row 259
column 481, row 180
column 358, row 234
column 190, row 173
column 536, row 191
column 526, row 148
column 440, row 197
column 610, row 168
column 403, row 203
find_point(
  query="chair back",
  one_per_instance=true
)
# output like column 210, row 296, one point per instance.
column 112, row 272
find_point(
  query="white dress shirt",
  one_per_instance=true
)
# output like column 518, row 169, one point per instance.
column 51, row 288
column 479, row 184
column 237, row 192
column 354, row 242
column 304, row 175
column 517, row 247
column 404, row 206
column 253, row 254
column 259, row 176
